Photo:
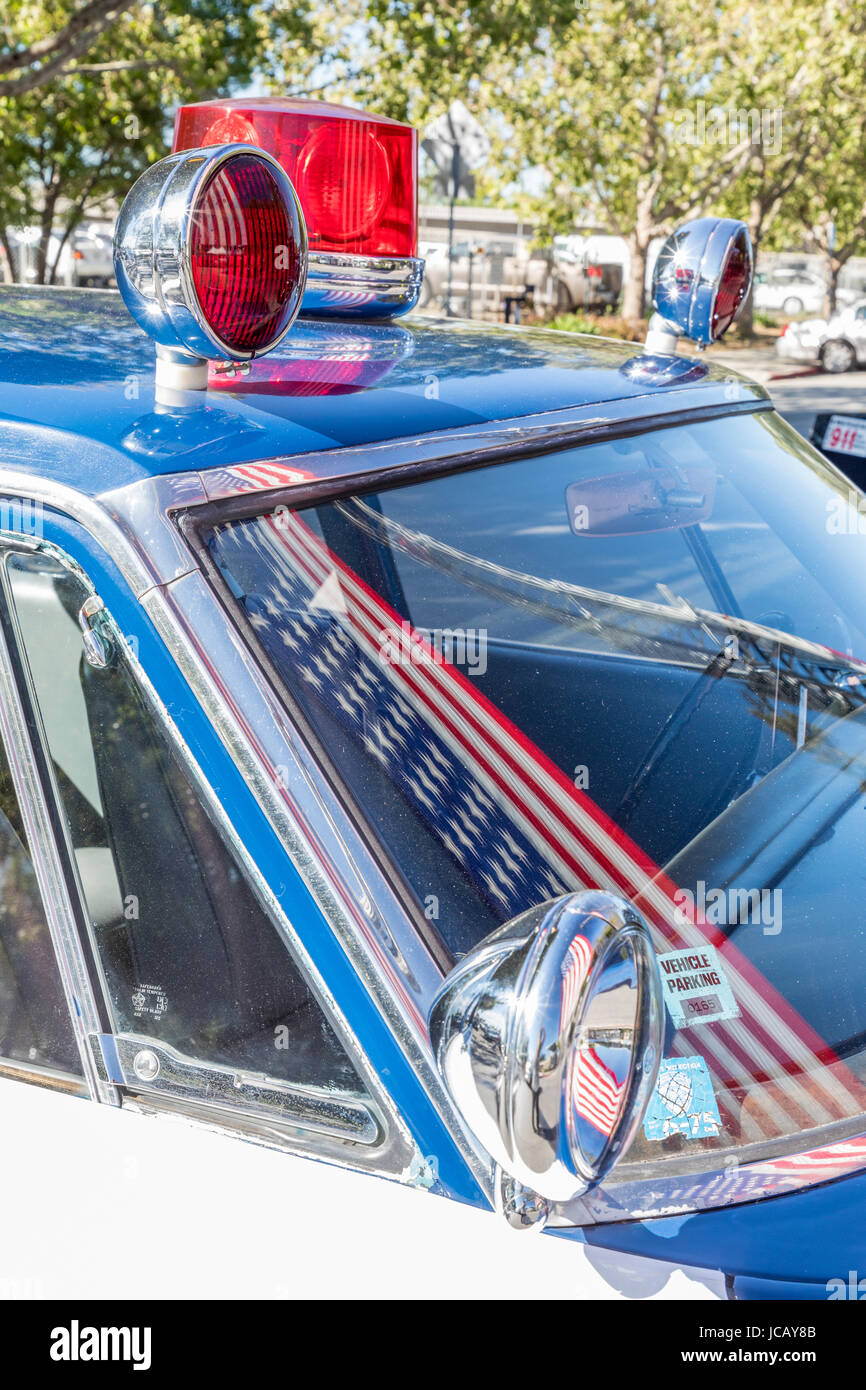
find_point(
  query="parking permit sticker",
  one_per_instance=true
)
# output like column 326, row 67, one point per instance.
column 683, row 1101
column 695, row 987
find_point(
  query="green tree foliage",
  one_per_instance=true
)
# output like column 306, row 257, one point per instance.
column 83, row 133
column 626, row 114
column 636, row 114
column 824, row 207
column 804, row 57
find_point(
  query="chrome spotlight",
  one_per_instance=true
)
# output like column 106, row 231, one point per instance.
column 210, row 255
column 700, row 282
column 548, row 1035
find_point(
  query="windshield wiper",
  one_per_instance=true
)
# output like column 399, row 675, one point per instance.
column 635, row 626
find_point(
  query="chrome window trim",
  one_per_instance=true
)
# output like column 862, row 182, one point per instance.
column 335, row 1115
column 50, row 873
column 49, row 788
column 139, row 517
column 396, row 1153
column 403, row 460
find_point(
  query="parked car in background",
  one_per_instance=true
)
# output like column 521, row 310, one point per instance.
column 85, row 258
column 836, row 344
column 788, row 290
column 488, row 272
column 91, row 261
column 557, row 278
column 566, row 279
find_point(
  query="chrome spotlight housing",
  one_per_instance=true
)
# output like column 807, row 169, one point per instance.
column 548, row 1035
column 210, row 256
column 702, row 278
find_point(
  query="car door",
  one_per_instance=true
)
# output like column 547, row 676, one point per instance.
column 181, row 999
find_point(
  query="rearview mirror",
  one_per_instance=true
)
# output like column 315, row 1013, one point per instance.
column 548, row 1035
column 644, row 500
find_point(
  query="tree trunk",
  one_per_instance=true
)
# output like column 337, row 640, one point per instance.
column 74, row 217
column 46, row 222
column 746, row 316
column 633, row 298
column 61, row 244
column 40, row 253
column 831, row 281
column 9, row 269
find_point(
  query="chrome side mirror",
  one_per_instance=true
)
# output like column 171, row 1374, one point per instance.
column 548, row 1035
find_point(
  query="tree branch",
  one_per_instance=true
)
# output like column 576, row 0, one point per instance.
column 60, row 49
column 734, row 163
column 120, row 65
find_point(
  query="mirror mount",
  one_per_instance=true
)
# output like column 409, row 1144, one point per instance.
column 548, row 1035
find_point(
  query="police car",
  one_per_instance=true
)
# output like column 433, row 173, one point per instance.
column 431, row 755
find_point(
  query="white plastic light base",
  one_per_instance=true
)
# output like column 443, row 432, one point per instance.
column 176, row 371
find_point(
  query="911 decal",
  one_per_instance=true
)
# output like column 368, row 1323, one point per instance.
column 845, row 435
column 682, row 1101
column 695, row 987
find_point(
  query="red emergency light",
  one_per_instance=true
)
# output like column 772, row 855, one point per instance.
column 734, row 285
column 356, row 179
column 264, row 209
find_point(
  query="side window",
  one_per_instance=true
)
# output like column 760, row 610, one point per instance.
column 191, row 959
column 35, row 1027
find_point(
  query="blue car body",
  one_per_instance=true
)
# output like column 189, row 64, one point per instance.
column 77, row 408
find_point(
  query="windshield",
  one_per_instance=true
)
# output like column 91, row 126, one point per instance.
column 635, row 665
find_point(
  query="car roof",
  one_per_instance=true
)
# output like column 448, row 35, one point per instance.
column 77, row 393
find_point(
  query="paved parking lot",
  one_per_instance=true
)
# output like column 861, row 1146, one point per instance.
column 801, row 398
column 802, row 394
